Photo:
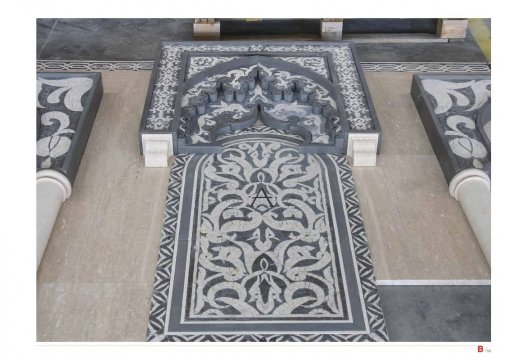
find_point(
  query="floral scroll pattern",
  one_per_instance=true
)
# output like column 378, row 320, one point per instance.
column 280, row 110
column 457, row 103
column 264, row 247
column 58, row 102
column 256, row 154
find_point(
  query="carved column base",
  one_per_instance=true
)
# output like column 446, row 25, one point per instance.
column 471, row 187
column 362, row 148
column 156, row 149
column 53, row 188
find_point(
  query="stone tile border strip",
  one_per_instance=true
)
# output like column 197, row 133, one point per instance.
column 99, row 65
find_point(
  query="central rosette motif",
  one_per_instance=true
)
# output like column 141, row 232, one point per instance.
column 264, row 244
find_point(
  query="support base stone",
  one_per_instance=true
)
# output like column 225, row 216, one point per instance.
column 156, row 149
column 363, row 148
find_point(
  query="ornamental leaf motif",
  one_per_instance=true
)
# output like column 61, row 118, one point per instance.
column 74, row 89
column 462, row 144
column 444, row 91
column 57, row 144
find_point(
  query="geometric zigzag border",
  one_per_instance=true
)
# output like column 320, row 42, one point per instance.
column 361, row 249
column 376, row 321
column 165, row 261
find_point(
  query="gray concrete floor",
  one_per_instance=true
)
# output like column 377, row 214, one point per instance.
column 437, row 313
column 137, row 39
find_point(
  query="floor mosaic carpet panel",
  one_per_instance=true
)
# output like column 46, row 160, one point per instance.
column 263, row 243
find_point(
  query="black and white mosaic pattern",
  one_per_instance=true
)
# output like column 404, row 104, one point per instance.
column 454, row 103
column 427, row 67
column 435, row 67
column 200, row 62
column 245, row 89
column 163, row 103
column 67, row 103
column 59, row 107
column 263, row 243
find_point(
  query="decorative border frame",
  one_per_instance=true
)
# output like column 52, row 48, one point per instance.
column 96, row 65
column 155, row 331
column 167, row 92
column 425, row 67
column 358, row 108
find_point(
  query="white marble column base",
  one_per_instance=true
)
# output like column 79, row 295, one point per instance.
column 156, row 149
column 362, row 148
column 471, row 187
column 53, row 188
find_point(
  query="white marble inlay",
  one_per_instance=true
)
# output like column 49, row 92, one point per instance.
column 56, row 124
column 264, row 247
column 457, row 102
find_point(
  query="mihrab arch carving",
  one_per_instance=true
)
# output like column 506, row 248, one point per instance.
column 237, row 94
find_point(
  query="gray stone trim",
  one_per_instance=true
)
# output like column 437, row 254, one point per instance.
column 94, row 65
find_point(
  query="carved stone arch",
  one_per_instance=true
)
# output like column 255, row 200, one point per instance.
column 234, row 95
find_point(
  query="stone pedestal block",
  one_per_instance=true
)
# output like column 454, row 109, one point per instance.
column 157, row 148
column 363, row 149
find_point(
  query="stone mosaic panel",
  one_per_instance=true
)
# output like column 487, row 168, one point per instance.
column 66, row 107
column 449, row 106
column 263, row 243
column 182, row 62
